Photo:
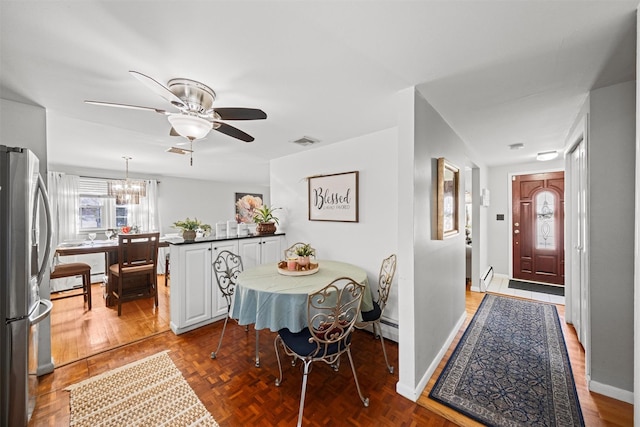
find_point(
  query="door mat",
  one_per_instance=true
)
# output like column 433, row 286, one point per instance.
column 536, row 287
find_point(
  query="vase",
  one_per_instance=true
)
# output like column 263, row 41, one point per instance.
column 303, row 260
column 189, row 235
column 266, row 228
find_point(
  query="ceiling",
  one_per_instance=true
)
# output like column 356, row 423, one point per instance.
column 498, row 72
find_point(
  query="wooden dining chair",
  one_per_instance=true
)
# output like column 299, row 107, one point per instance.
column 135, row 272
column 372, row 317
column 331, row 316
column 74, row 269
column 226, row 267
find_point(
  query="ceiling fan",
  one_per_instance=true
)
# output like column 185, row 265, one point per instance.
column 196, row 116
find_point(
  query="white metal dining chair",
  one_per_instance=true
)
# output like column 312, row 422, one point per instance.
column 372, row 317
column 226, row 267
column 331, row 316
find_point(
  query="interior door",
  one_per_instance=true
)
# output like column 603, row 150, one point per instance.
column 578, row 241
column 538, row 227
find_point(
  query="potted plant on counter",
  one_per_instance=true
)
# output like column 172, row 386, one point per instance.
column 265, row 219
column 189, row 228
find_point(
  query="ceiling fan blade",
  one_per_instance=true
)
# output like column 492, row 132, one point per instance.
column 173, row 132
column 159, row 89
column 132, row 107
column 240, row 113
column 234, row 132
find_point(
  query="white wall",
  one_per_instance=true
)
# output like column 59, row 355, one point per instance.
column 178, row 198
column 499, row 232
column 432, row 274
column 636, row 396
column 208, row 201
column 611, row 175
column 364, row 243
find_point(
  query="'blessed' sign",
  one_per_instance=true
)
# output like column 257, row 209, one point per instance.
column 334, row 197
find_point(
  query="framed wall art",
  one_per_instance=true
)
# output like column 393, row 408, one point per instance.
column 245, row 204
column 334, row 197
column 448, row 197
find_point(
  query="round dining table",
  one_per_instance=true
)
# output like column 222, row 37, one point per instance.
column 268, row 299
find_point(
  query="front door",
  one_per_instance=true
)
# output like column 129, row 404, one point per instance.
column 538, row 227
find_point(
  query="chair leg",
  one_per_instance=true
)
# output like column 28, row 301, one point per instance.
column 275, row 346
column 86, row 286
column 257, row 348
column 384, row 349
column 214, row 354
column 365, row 400
column 305, row 375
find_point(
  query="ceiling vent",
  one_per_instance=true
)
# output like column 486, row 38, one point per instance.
column 305, row 140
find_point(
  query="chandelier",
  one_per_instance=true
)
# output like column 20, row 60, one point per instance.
column 127, row 191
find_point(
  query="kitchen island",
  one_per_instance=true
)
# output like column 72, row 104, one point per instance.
column 195, row 298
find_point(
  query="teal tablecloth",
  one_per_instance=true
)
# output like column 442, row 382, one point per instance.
column 271, row 300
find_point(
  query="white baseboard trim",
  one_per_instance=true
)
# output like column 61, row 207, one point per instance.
column 414, row 394
column 610, row 391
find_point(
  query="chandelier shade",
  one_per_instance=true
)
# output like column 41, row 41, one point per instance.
column 127, row 191
column 191, row 127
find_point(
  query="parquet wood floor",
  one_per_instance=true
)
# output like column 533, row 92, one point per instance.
column 238, row 394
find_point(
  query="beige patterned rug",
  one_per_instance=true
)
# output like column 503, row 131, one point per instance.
column 149, row 392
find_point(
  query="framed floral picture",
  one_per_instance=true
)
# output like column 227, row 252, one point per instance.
column 246, row 204
column 334, row 197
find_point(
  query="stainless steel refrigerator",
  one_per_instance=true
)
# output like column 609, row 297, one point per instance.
column 24, row 258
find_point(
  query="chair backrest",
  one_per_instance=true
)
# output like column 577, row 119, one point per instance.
column 226, row 267
column 387, row 271
column 138, row 250
column 332, row 313
column 290, row 252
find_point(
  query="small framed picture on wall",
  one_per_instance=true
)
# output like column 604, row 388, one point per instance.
column 246, row 203
column 334, row 197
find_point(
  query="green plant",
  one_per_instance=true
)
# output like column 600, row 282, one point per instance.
column 265, row 214
column 191, row 224
column 304, row 250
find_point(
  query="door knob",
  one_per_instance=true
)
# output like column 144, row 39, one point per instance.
column 516, row 231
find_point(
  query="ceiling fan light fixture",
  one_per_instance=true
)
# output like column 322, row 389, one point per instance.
column 191, row 127
column 547, row 155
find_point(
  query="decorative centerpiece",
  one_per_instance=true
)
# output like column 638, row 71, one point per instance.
column 265, row 219
column 304, row 252
column 287, row 269
column 189, row 228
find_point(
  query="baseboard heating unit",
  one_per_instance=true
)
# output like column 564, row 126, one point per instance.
column 486, row 279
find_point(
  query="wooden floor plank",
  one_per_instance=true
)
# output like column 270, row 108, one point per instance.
column 238, row 394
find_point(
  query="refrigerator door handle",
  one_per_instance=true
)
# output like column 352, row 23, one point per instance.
column 47, row 251
column 37, row 316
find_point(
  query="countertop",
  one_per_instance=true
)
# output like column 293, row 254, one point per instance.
column 181, row 241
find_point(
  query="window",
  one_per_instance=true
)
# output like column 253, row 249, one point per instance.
column 545, row 224
column 98, row 211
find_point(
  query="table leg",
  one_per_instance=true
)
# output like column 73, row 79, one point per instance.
column 257, row 348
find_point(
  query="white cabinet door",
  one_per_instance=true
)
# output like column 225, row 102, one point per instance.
column 270, row 250
column 191, row 284
column 219, row 301
column 249, row 250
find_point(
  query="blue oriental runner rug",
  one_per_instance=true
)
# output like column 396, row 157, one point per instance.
column 511, row 368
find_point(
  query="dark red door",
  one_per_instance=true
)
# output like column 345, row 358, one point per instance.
column 538, row 227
